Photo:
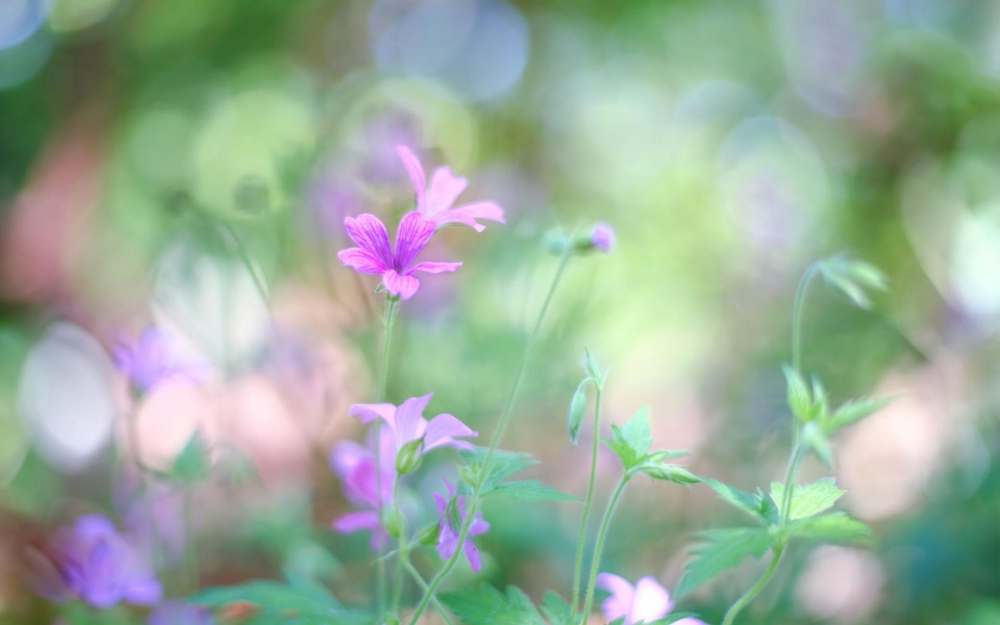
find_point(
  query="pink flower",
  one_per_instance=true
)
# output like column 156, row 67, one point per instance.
column 602, row 237
column 355, row 465
column 435, row 200
column 154, row 358
column 448, row 534
column 376, row 255
column 646, row 602
column 408, row 424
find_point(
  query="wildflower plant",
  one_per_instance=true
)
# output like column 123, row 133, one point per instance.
column 99, row 566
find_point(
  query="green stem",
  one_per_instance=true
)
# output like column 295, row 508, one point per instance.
column 750, row 594
column 191, row 549
column 578, row 569
column 505, row 414
column 419, row 579
column 790, row 473
column 403, row 552
column 599, row 546
column 797, row 308
column 380, row 577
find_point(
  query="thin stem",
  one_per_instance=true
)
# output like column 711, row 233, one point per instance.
column 505, row 414
column 403, row 551
column 599, row 546
column 380, row 577
column 244, row 255
column 191, row 550
column 578, row 569
column 419, row 579
column 793, row 467
column 797, row 308
column 750, row 594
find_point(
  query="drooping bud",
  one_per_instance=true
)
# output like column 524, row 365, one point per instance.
column 577, row 409
column 671, row 473
column 395, row 524
column 429, row 535
column 593, row 368
column 410, row 456
column 600, row 239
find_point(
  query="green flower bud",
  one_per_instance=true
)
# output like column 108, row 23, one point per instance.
column 395, row 524
column 577, row 409
column 429, row 535
column 410, row 456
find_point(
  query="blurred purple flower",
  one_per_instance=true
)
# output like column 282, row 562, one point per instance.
column 448, row 535
column 375, row 253
column 354, row 464
column 96, row 564
column 153, row 359
column 407, row 423
column 436, row 200
column 180, row 613
column 647, row 601
column 602, row 237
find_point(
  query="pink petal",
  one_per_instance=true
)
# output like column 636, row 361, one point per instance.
column 370, row 234
column 146, row 591
column 361, row 261
column 345, row 456
column 363, row 520
column 414, row 232
column 436, row 267
column 650, row 602
column 443, row 429
column 369, row 412
column 416, row 171
column 410, row 423
column 402, row 286
column 619, row 604
column 472, row 553
column 444, row 189
column 469, row 213
column 441, row 503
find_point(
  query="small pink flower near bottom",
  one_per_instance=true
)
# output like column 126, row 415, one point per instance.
column 448, row 536
column 645, row 602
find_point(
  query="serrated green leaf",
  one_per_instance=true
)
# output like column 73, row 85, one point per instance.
column 799, row 399
column 742, row 500
column 557, row 609
column 835, row 527
column 853, row 411
column 723, row 549
column 193, row 463
column 632, row 441
column 767, row 508
column 486, row 605
column 577, row 410
column 809, row 499
column 299, row 601
column 852, row 276
column 531, row 490
column 817, row 442
column 503, row 465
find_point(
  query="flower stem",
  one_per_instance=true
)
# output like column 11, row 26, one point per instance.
column 403, row 551
column 797, row 308
column 578, row 569
column 599, row 546
column 505, row 415
column 419, row 579
column 750, row 594
column 380, row 577
column 190, row 548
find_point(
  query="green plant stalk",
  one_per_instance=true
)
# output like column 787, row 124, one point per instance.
column 505, row 415
column 190, row 549
column 578, row 569
column 743, row 601
column 419, row 579
column 599, row 546
column 380, row 577
column 403, row 551
column 797, row 308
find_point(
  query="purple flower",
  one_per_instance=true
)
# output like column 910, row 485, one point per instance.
column 602, row 237
column 448, row 535
column 646, row 602
column 407, row 423
column 355, row 465
column 435, row 200
column 180, row 613
column 153, row 359
column 376, row 255
column 96, row 564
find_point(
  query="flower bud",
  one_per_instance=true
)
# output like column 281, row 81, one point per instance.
column 672, row 473
column 429, row 535
column 410, row 456
column 577, row 409
column 556, row 242
column 395, row 524
column 601, row 239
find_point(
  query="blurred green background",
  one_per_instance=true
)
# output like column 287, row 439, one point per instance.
column 151, row 151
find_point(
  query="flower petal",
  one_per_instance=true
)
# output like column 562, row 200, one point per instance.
column 443, row 429
column 360, row 521
column 472, row 554
column 410, row 422
column 143, row 591
column 369, row 412
column 371, row 235
column 444, row 189
column 651, row 601
column 414, row 232
column 469, row 213
column 361, row 261
column 416, row 171
column 345, row 457
column 619, row 604
column 401, row 286
column 436, row 267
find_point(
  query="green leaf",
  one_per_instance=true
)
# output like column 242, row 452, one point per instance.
column 486, row 605
column 671, row 618
column 821, row 406
column 632, row 441
column 577, row 409
column 193, row 463
column 799, row 399
column 531, row 490
column 809, row 499
column 723, row 549
column 851, row 277
column 299, row 601
column 742, row 500
column 817, row 442
column 835, row 527
column 557, row 609
column 594, row 370
column 854, row 411
column 503, row 465
column 667, row 472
